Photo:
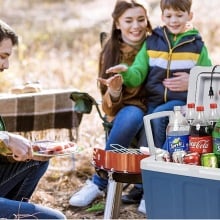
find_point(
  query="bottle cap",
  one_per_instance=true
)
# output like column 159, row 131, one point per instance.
column 200, row 108
column 213, row 105
column 191, row 105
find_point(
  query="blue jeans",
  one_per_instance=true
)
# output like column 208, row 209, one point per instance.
column 158, row 125
column 126, row 125
column 18, row 180
column 11, row 209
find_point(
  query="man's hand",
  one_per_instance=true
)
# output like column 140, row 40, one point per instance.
column 20, row 147
column 178, row 83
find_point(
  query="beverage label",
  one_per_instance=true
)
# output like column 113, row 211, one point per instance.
column 177, row 143
column 200, row 144
column 216, row 145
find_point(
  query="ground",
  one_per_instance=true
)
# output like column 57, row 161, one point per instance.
column 59, row 46
column 56, row 187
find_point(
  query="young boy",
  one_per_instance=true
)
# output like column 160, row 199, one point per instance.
column 163, row 65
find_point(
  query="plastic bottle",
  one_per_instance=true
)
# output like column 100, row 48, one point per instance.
column 213, row 115
column 216, row 141
column 177, row 132
column 200, row 139
column 190, row 113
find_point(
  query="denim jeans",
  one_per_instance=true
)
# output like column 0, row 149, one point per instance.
column 18, row 180
column 126, row 125
column 158, row 125
column 11, row 209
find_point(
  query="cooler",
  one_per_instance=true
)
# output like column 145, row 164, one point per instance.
column 182, row 191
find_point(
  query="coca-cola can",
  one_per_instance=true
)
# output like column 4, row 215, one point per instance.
column 177, row 156
column 192, row 158
column 162, row 155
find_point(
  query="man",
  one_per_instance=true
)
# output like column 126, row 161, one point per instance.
column 20, row 171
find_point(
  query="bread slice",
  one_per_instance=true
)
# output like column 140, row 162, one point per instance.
column 32, row 87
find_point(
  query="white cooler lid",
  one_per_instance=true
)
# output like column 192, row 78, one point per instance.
column 199, row 85
column 151, row 164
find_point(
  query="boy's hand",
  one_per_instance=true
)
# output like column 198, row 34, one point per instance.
column 117, row 69
column 178, row 83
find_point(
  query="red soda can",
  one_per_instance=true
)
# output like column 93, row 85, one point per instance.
column 192, row 158
column 177, row 156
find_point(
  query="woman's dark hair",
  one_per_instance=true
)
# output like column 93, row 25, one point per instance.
column 110, row 54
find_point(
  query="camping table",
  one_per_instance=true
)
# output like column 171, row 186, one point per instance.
column 41, row 115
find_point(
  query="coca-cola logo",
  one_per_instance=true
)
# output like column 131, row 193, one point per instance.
column 202, row 144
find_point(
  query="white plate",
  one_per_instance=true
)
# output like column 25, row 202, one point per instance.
column 72, row 150
column 51, row 148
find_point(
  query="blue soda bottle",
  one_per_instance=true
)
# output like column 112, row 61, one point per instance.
column 177, row 132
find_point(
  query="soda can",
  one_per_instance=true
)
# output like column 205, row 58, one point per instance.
column 192, row 158
column 162, row 155
column 209, row 160
column 177, row 156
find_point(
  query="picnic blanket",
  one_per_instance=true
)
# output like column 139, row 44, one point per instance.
column 48, row 109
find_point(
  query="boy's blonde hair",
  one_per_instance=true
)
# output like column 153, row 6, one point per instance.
column 182, row 5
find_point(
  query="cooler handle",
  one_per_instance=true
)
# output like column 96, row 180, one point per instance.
column 148, row 130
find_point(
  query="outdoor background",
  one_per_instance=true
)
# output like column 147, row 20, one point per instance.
column 59, row 47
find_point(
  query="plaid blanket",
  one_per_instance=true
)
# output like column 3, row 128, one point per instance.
column 49, row 109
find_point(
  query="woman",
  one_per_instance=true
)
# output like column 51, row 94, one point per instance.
column 123, row 106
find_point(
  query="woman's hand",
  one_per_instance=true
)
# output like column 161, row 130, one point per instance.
column 114, row 83
column 178, row 83
column 117, row 69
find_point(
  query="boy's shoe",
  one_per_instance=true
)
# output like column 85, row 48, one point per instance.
column 142, row 207
column 86, row 195
column 133, row 197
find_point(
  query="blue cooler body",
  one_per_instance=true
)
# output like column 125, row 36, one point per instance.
column 180, row 191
